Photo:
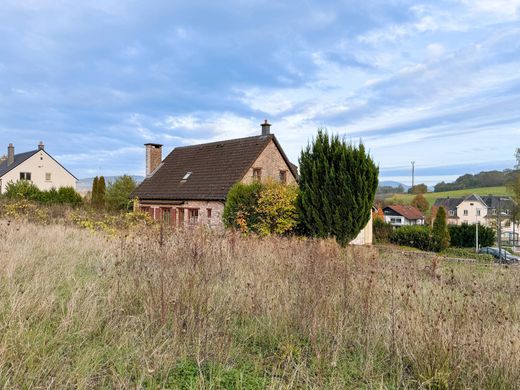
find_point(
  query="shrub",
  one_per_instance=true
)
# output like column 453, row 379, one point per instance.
column 262, row 208
column 338, row 182
column 415, row 236
column 382, row 230
column 28, row 191
column 240, row 209
column 463, row 236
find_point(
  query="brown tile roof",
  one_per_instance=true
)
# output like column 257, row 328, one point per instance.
column 409, row 212
column 214, row 168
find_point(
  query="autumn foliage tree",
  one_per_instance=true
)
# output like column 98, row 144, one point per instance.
column 421, row 203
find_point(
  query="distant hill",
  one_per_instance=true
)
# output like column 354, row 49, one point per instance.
column 432, row 196
column 85, row 185
column 390, row 183
column 479, row 180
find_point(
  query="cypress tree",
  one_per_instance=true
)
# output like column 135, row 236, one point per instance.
column 101, row 192
column 440, row 233
column 338, row 182
column 94, row 195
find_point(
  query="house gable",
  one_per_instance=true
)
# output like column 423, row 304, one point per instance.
column 271, row 161
column 45, row 171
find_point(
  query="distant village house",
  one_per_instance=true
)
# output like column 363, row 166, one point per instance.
column 36, row 166
column 403, row 215
column 483, row 210
column 191, row 184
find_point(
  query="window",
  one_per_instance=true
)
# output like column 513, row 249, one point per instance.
column 25, row 175
column 478, row 212
column 48, row 176
column 451, row 213
column 395, row 220
column 257, row 175
column 283, row 177
column 465, row 212
column 166, row 213
column 186, row 177
column 209, row 213
column 181, row 216
column 194, row 216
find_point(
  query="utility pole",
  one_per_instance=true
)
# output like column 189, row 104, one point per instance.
column 413, row 174
column 476, row 230
column 499, row 231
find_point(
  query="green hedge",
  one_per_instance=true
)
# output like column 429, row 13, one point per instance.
column 26, row 190
column 415, row 236
column 463, row 236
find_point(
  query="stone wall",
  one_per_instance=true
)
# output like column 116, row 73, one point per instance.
column 271, row 162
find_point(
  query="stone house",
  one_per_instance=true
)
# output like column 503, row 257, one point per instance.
column 36, row 166
column 191, row 184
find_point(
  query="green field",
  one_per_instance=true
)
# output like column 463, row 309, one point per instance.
column 432, row 196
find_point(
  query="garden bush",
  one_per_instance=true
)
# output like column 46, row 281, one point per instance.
column 26, row 190
column 382, row 230
column 415, row 236
column 463, row 236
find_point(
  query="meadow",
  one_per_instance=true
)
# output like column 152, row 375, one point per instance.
column 432, row 196
column 197, row 309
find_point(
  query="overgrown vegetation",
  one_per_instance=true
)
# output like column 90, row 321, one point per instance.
column 338, row 182
column 199, row 309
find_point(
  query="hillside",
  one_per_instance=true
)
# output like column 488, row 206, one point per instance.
column 432, row 196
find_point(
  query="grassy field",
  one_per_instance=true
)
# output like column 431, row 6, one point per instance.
column 432, row 196
column 210, row 310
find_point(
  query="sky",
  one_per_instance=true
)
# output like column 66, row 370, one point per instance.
column 435, row 82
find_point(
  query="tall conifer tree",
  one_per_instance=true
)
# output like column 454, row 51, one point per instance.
column 101, row 192
column 338, row 182
column 94, row 194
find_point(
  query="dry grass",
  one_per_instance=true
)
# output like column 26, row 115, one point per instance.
column 208, row 310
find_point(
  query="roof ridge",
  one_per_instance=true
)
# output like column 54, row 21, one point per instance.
column 223, row 141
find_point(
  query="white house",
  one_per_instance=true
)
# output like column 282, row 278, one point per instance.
column 37, row 166
column 403, row 215
column 483, row 210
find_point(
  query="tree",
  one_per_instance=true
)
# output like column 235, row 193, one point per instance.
column 421, row 203
column 118, row 193
column 101, row 192
column 440, row 233
column 418, row 189
column 338, row 182
column 94, row 193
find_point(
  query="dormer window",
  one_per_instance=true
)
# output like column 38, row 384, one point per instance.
column 185, row 177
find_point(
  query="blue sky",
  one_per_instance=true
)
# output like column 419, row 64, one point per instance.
column 435, row 82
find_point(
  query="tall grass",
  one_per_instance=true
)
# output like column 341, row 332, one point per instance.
column 199, row 309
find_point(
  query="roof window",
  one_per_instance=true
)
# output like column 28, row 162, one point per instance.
column 186, row 177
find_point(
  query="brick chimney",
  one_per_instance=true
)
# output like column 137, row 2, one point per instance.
column 266, row 128
column 153, row 157
column 10, row 154
column 41, row 146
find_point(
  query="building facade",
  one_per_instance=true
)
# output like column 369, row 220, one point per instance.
column 36, row 166
column 191, row 184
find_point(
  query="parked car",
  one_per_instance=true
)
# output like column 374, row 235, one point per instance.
column 507, row 257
